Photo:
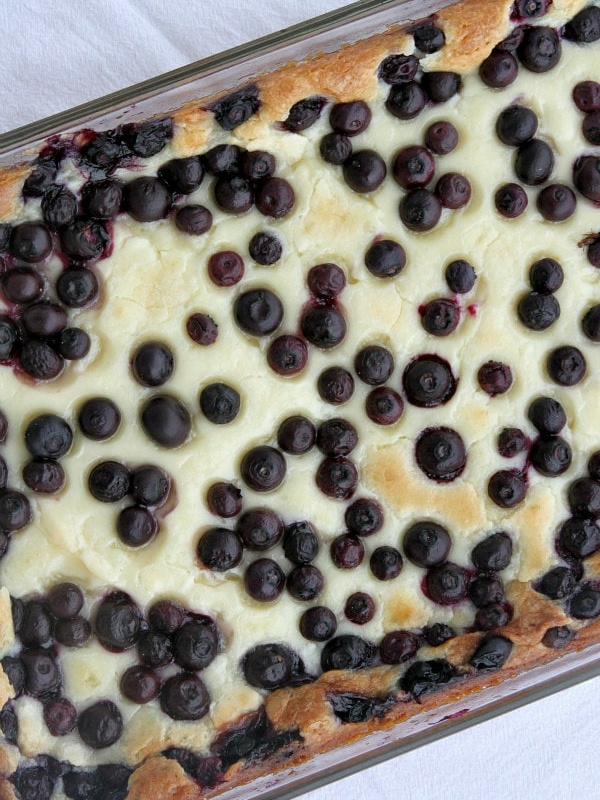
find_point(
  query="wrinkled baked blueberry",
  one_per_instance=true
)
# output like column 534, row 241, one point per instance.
column 557, row 583
column 254, row 741
column 385, row 563
column 335, row 148
column 287, row 355
column 72, row 632
column 258, row 165
column 59, row 207
column 579, row 537
column 428, row 37
column 264, row 580
column 566, row 365
column 507, row 488
column 60, row 716
column 9, row 723
column 265, row 248
column 271, row 666
column 220, row 549
column 447, row 583
column 499, row 69
column 398, row 646
column 336, row 437
column 335, row 385
column 258, row 312
column 14, row 669
column 303, row 114
column 538, row 311
column 30, row 241
column 220, row 403
column 326, row 281
column 385, row 258
column 492, row 616
column 337, row 477
column 196, row 644
column 428, row 381
column 413, row 166
column 440, row 316
column 511, row 442
column 398, row 68
column 424, row 677
column 493, row 553
column 259, row 528
column 166, row 420
column 166, row 616
column 305, row 582
column 224, row 499
column 440, row 453
column 136, row 526
column 147, row 139
column 438, row 633
column 202, row 329
column 184, row 697
column 364, row 171
column 109, row 481
column 441, row 137
column 492, row 653
column 495, row 378
column 426, row 543
column 485, row 590
column 77, row 287
column 84, row 240
column 374, row 364
column 584, row 28
column 558, row 637
column 347, row 551
column 540, row 49
column 235, row 108
column 353, row 708
column 420, row 210
column 296, row 435
column 364, row 517
column 117, row 622
column 406, row 100
column 42, row 673
column 155, row 649
column 586, row 96
column 585, row 601
column 300, row 543
column 182, row 175
column 263, row 468
column 42, row 176
column 33, row 783
column 318, row 624
column 529, row 9
column 511, row 200
column 347, row 652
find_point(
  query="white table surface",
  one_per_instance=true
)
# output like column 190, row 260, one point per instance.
column 56, row 55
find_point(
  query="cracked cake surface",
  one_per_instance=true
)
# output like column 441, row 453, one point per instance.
column 298, row 394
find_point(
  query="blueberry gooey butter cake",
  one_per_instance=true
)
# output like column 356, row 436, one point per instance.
column 299, row 430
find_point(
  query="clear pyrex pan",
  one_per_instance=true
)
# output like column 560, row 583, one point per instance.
column 227, row 70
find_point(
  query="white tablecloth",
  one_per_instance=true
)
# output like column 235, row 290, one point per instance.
column 56, row 55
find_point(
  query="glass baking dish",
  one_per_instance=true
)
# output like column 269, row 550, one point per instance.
column 217, row 74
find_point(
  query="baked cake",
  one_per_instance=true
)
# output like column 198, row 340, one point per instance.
column 299, row 393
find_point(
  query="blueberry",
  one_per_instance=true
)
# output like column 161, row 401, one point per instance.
column 529, row 9
column 350, row 118
column 557, row 583
column 428, row 381
column 100, row 725
column 44, row 476
column 347, row 652
column 385, row 563
column 48, row 436
column 440, row 316
column 347, row 551
column 30, row 241
column 534, row 162
column 385, row 258
column 265, row 248
column 296, row 435
column 511, row 200
column 492, row 616
column 44, row 319
column 398, row 69
column 150, row 486
column 9, row 723
column 499, row 69
column 202, row 329
column 109, row 481
column 15, row 510
column 73, row 344
column 336, row 437
column 585, row 601
column 557, row 202
column 3, row 427
column 420, row 210
column 258, row 312
column 220, row 403
column 184, row 697
column 558, row 637
column 147, row 139
column 14, row 669
column 33, row 783
column 318, row 624
column 586, row 96
column 79, row 785
column 275, row 198
column 136, row 526
column 220, row 549
column 398, row 646
column 287, row 355
column 264, row 580
column 233, row 194
column 495, row 378
column 593, row 465
column 77, row 287
column 460, row 276
column 193, row 219
column 105, row 151
column 140, row 684
column 540, row 49
column 406, row 100
column 364, row 171
column 547, row 415
column 300, row 543
column 440, row 453
column 359, row 608
column 441, row 137
column 493, row 553
column 337, row 478
column 155, row 649
column 491, row 653
column 323, row 326
column 166, row 616
column 584, row 497
column 182, row 175
column 60, row 716
column 441, row 86
column 236, row 107
column 36, row 629
column 84, row 240
column 453, row 190
column 538, row 311
column 438, row 633
column 374, row 364
column 326, row 281
column 42, row 176
column 152, row 364
column 579, row 537
column 42, row 673
column 413, row 166
column 269, row 666
column 335, row 148
column 566, row 366
column 586, row 177
column 166, row 421
column 516, row 125
column 224, row 159
column 259, row 528
column 146, row 199
column 507, row 488
column 258, row 165
column 424, row 677
column 196, row 644
column 102, row 199
column 335, row 385
column 72, row 632
column 426, row 543
column 384, row 406
column 428, row 37
column 485, row 590
column 117, row 622
column 22, row 285
column 305, row 582
column 263, row 468
column 364, row 517
column 225, row 268
column 303, row 114
column 590, row 127
column 546, row 276
column 584, row 27
column 59, row 207
column 3, row 473
column 99, row 418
